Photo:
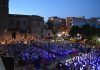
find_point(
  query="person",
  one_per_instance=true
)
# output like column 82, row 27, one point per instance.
column 63, row 67
column 58, row 65
column 37, row 62
column 98, row 68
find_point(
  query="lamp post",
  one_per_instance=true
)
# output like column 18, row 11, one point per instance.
column 27, row 35
column 5, row 34
column 99, row 39
column 59, row 35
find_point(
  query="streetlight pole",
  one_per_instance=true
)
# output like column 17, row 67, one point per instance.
column 5, row 34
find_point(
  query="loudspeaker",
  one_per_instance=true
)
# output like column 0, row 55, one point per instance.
column 8, row 62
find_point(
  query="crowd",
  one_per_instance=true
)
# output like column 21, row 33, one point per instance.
column 88, row 61
column 42, row 54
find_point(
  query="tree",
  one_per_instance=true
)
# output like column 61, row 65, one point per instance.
column 87, row 31
column 74, row 31
column 52, row 27
column 97, row 32
column 50, row 24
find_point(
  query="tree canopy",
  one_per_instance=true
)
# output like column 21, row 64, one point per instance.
column 74, row 31
column 86, row 31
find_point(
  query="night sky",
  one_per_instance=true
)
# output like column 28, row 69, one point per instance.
column 60, row 8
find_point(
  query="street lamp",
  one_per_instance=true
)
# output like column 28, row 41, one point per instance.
column 99, row 39
column 5, row 30
column 5, row 34
column 59, row 35
column 63, row 32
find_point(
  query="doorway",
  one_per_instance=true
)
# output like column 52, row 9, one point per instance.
column 13, row 35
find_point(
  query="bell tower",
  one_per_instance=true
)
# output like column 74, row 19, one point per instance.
column 4, row 8
column 4, row 16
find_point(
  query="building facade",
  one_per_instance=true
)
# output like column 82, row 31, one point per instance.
column 59, row 24
column 4, row 16
column 18, row 26
column 76, row 21
column 80, row 21
column 94, row 22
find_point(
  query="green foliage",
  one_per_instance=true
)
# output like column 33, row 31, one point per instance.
column 86, row 31
column 74, row 31
column 52, row 27
column 50, row 24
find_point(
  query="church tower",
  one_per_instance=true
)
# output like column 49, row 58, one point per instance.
column 4, row 8
column 4, row 16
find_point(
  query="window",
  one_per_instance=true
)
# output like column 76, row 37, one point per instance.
column 70, row 19
column 12, row 22
column 24, row 22
column 38, row 24
column 3, row 4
